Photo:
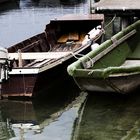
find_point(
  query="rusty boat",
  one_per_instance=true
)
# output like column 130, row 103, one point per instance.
column 41, row 61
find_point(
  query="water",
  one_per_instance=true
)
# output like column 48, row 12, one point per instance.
column 72, row 115
column 54, row 116
column 67, row 113
column 47, row 118
column 110, row 117
column 26, row 18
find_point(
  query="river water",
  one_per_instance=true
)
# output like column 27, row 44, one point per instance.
column 67, row 113
column 24, row 18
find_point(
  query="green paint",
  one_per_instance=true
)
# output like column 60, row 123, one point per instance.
column 112, row 61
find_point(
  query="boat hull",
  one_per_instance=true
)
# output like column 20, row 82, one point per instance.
column 33, row 85
column 118, row 84
column 114, row 66
column 18, row 85
column 40, row 63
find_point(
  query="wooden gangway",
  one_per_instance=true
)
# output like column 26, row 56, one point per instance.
column 116, row 7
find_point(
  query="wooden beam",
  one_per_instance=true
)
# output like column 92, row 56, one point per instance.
column 73, row 36
column 63, row 38
column 36, row 55
column 20, row 64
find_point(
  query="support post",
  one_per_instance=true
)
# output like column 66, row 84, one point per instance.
column 20, row 63
column 125, row 21
column 0, row 93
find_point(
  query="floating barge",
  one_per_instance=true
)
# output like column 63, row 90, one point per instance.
column 41, row 61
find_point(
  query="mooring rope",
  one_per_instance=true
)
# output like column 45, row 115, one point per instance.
column 78, row 58
column 110, row 21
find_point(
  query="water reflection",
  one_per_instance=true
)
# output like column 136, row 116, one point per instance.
column 110, row 117
column 31, row 16
column 48, row 118
column 49, row 3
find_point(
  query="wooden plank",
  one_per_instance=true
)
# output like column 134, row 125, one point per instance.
column 73, row 36
column 70, row 36
column 118, row 7
column 34, row 62
column 43, row 62
column 36, row 55
column 81, row 38
column 63, row 38
column 30, row 46
column 116, row 4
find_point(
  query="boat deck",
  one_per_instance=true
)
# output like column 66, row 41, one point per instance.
column 38, row 59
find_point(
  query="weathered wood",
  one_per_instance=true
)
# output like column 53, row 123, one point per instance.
column 20, row 64
column 30, row 46
column 43, row 55
column 63, row 38
column 73, row 36
column 118, row 7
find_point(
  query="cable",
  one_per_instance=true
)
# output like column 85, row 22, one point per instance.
column 110, row 21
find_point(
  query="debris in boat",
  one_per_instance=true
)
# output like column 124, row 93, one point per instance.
column 92, row 35
column 94, row 46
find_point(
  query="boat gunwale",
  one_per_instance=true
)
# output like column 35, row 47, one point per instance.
column 78, row 65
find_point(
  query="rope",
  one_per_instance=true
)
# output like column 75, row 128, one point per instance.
column 110, row 21
column 90, row 59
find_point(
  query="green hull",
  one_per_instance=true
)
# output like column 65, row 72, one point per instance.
column 112, row 67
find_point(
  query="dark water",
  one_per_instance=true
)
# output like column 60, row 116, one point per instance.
column 110, row 117
column 67, row 113
column 51, row 117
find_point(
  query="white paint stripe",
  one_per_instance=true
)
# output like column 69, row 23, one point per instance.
column 35, row 55
column 24, row 71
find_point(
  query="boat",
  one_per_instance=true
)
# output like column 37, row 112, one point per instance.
column 113, row 66
column 41, row 61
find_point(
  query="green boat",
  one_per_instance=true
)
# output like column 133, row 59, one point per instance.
column 113, row 66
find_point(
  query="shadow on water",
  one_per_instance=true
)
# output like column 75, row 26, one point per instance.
column 14, row 4
column 49, row 117
column 110, row 117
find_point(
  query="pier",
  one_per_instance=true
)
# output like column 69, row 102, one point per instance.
column 127, row 10
column 116, row 7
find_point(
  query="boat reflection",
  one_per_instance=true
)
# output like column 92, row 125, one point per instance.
column 110, row 117
column 38, row 118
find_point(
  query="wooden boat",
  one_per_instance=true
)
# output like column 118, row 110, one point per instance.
column 113, row 66
column 41, row 61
